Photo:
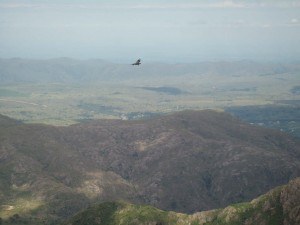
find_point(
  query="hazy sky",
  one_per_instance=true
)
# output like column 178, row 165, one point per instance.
column 155, row 30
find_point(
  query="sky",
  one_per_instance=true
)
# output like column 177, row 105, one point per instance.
column 154, row 30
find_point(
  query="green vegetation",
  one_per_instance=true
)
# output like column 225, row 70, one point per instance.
column 101, row 214
column 121, row 213
column 135, row 214
column 267, row 209
column 20, row 206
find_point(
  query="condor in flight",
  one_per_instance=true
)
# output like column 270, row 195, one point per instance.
column 138, row 62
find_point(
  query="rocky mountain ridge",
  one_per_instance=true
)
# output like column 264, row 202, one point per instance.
column 279, row 206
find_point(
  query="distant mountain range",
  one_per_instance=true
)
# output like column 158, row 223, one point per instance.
column 187, row 162
column 278, row 206
column 67, row 70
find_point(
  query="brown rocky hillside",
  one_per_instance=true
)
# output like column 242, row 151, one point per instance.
column 188, row 161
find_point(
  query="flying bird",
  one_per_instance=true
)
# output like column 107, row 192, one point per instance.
column 138, row 62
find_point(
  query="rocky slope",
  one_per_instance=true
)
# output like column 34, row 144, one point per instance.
column 278, row 206
column 188, row 161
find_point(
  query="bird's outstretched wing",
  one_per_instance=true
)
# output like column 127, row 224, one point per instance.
column 138, row 62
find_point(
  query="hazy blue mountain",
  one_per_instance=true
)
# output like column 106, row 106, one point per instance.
column 67, row 70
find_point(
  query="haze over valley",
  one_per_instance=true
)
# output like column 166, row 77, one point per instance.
column 64, row 91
